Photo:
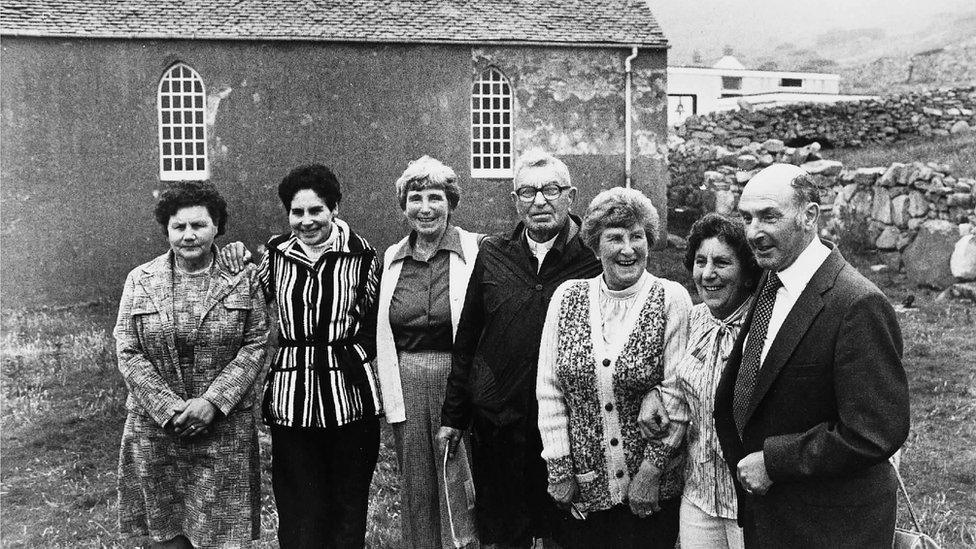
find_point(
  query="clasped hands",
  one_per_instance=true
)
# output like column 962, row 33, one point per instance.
column 643, row 495
column 751, row 470
column 192, row 419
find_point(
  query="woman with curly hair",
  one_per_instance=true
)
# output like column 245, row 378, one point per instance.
column 190, row 339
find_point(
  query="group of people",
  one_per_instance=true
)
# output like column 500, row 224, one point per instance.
column 591, row 403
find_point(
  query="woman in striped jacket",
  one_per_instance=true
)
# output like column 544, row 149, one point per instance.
column 321, row 400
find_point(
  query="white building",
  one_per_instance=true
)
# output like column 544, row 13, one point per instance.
column 701, row 90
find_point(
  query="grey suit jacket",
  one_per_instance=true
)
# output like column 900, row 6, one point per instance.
column 829, row 408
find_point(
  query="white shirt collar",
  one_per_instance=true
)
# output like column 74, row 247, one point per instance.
column 540, row 247
column 796, row 277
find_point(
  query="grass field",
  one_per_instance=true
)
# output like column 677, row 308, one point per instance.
column 62, row 416
column 956, row 151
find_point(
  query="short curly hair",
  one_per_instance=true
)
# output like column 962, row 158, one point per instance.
column 186, row 194
column 315, row 177
column 730, row 232
column 428, row 173
column 618, row 207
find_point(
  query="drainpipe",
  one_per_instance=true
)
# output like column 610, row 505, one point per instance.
column 627, row 124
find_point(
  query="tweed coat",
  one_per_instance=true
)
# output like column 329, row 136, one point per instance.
column 829, row 408
column 209, row 484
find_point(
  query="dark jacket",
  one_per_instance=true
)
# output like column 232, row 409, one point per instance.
column 492, row 382
column 829, row 408
column 496, row 350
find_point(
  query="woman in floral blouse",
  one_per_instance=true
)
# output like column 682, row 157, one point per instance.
column 606, row 343
column 725, row 274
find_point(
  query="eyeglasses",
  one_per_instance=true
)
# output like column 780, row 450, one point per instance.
column 549, row 192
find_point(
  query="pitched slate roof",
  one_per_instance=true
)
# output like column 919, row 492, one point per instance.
column 594, row 22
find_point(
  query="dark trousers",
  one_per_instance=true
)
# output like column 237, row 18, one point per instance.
column 321, row 483
column 618, row 528
column 512, row 505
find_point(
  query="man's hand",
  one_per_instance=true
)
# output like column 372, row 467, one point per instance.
column 645, row 490
column 653, row 419
column 195, row 419
column 752, row 474
column 448, row 437
column 234, row 257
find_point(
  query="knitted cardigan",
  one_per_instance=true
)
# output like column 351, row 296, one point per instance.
column 600, row 411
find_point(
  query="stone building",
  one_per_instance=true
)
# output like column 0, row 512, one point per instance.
column 102, row 102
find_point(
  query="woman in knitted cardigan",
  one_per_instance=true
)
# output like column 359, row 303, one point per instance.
column 607, row 342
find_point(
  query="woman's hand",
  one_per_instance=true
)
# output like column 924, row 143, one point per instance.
column 653, row 418
column 564, row 492
column 234, row 257
column 195, row 419
column 645, row 490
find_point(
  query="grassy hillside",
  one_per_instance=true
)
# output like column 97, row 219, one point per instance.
column 958, row 152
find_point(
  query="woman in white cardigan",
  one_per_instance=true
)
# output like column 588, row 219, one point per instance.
column 421, row 295
column 606, row 343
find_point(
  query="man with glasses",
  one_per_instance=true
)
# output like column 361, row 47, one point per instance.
column 491, row 388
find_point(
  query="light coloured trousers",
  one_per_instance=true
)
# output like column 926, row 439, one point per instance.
column 425, row 524
column 699, row 530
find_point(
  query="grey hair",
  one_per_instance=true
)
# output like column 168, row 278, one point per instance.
column 428, row 173
column 618, row 207
column 537, row 158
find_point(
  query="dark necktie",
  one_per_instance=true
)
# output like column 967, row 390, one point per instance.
column 745, row 383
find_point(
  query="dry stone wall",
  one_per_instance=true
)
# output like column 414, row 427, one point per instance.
column 914, row 213
column 847, row 124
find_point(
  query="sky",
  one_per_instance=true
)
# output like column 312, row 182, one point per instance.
column 755, row 25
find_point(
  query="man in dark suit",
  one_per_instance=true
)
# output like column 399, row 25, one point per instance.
column 814, row 399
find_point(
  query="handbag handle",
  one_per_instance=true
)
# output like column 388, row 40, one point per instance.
column 908, row 501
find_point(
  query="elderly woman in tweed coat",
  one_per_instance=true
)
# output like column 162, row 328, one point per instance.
column 190, row 339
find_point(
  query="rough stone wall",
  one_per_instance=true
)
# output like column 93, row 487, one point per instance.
column 848, row 124
column 721, row 139
column 912, row 213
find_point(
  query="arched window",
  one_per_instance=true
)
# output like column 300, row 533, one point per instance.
column 491, row 125
column 181, row 102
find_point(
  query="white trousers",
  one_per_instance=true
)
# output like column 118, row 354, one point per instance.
column 699, row 530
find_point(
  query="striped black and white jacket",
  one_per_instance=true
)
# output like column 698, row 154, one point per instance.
column 321, row 375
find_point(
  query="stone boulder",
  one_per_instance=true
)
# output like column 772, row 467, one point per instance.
column 823, row 167
column 960, row 127
column 962, row 263
column 881, row 208
column 747, row 162
column 867, row 176
column 888, row 239
column 927, row 258
column 773, row 145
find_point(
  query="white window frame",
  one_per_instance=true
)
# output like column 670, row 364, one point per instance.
column 492, row 125
column 175, row 133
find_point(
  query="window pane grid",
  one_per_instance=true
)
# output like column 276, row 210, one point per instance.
column 491, row 125
column 182, row 130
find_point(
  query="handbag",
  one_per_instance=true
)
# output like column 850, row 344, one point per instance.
column 910, row 539
column 459, row 496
